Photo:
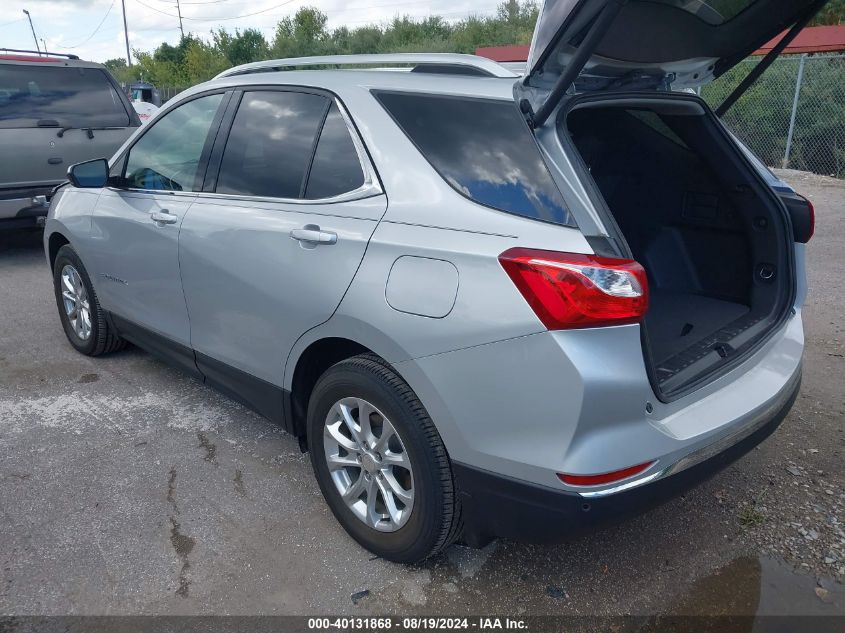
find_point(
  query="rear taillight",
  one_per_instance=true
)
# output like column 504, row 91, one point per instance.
column 570, row 290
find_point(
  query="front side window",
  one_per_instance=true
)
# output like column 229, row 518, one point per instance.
column 483, row 149
column 33, row 95
column 271, row 144
column 167, row 157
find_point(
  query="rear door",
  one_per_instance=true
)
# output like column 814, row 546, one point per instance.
column 44, row 107
column 271, row 245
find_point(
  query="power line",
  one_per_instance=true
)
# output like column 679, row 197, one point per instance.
column 99, row 26
column 245, row 15
column 2, row 24
column 379, row 6
column 209, row 2
column 215, row 19
column 156, row 10
column 452, row 14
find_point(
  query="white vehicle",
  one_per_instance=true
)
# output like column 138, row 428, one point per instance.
column 145, row 110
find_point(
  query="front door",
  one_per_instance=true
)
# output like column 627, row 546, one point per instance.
column 137, row 221
column 268, row 251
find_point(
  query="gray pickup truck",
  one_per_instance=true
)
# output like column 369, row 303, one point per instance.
column 55, row 110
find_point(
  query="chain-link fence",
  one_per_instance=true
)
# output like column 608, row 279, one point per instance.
column 168, row 92
column 794, row 116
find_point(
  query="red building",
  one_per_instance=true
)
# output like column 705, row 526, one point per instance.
column 815, row 39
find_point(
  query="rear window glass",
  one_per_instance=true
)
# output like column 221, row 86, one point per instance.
column 336, row 168
column 484, row 149
column 76, row 97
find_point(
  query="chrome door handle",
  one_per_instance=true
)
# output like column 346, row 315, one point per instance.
column 163, row 217
column 311, row 234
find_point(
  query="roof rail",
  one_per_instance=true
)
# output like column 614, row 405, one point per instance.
column 446, row 63
column 39, row 53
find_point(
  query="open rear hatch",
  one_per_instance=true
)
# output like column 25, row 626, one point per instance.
column 647, row 44
column 677, row 193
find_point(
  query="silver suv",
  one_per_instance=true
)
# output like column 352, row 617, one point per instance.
column 55, row 110
column 488, row 307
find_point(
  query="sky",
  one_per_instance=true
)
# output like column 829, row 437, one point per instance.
column 93, row 29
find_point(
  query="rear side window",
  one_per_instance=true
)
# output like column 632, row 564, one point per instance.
column 484, row 149
column 75, row 97
column 271, row 144
column 336, row 168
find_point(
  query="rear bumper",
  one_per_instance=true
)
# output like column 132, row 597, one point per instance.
column 497, row 506
column 21, row 208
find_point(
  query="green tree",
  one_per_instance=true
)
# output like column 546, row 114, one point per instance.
column 242, row 47
column 202, row 62
column 117, row 66
column 303, row 34
column 832, row 13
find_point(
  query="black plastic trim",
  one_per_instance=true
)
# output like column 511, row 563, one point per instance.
column 799, row 212
column 263, row 397
column 497, row 506
column 167, row 350
column 20, row 222
column 266, row 399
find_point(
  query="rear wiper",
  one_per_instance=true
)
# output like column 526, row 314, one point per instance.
column 55, row 123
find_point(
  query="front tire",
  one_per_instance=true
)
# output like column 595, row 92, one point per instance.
column 380, row 463
column 83, row 320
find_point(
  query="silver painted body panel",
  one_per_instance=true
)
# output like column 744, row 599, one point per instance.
column 505, row 394
column 574, row 402
column 251, row 290
column 136, row 260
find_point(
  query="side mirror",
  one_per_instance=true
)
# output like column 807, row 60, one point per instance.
column 91, row 174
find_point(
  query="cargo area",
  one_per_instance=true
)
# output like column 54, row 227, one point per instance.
column 711, row 236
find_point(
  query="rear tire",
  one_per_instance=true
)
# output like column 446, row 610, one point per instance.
column 83, row 320
column 415, row 511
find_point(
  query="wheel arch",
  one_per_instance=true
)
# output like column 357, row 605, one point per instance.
column 320, row 348
column 54, row 243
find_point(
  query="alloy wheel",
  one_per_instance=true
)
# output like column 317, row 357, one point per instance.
column 76, row 302
column 368, row 464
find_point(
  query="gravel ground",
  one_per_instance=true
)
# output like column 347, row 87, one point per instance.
column 128, row 488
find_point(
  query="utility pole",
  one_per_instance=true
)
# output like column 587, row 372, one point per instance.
column 126, row 33
column 32, row 28
column 791, row 133
column 179, row 11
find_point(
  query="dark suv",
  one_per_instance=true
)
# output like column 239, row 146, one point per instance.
column 55, row 110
